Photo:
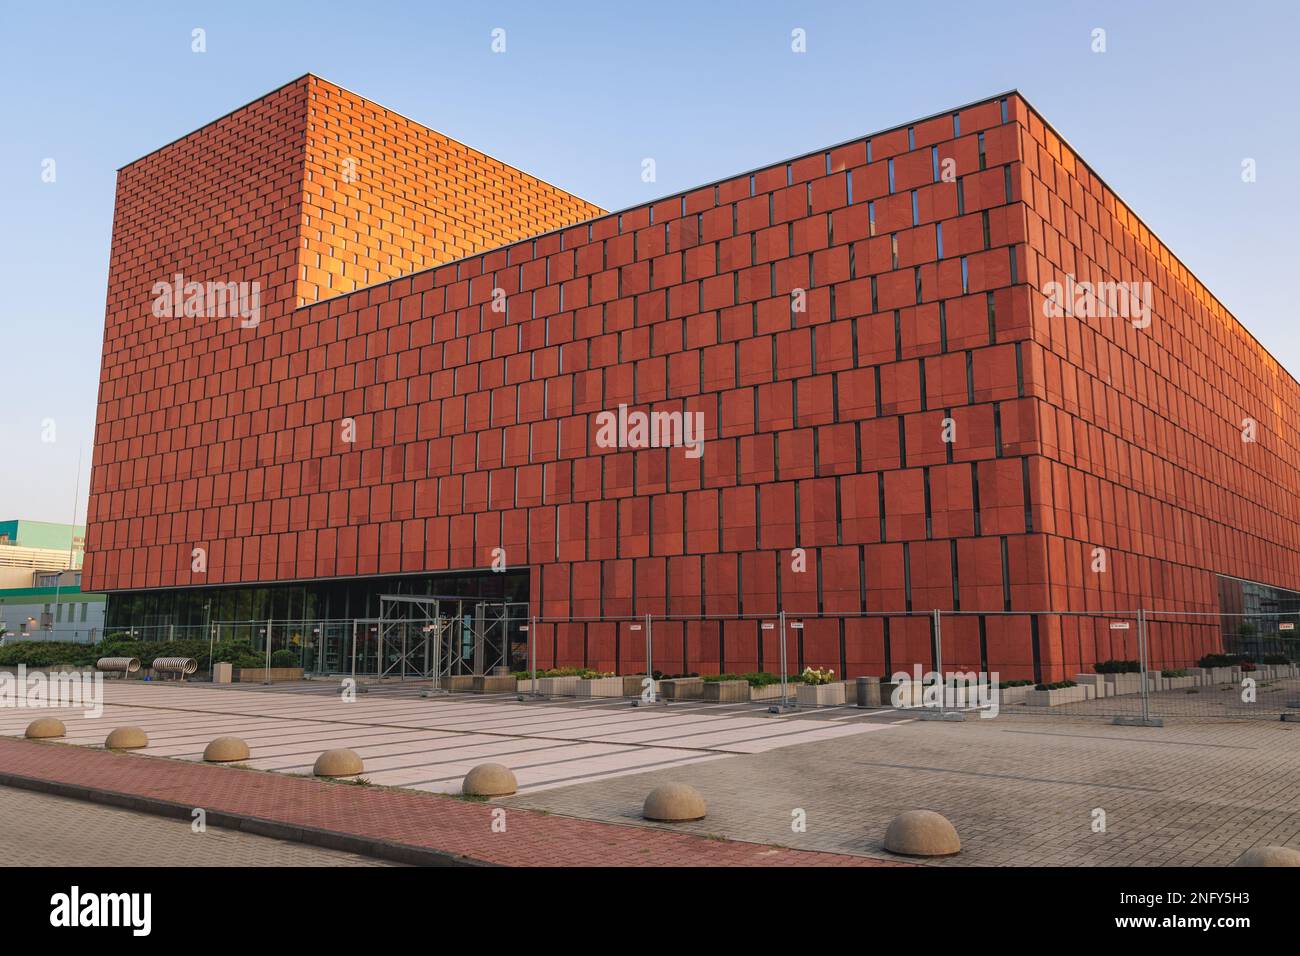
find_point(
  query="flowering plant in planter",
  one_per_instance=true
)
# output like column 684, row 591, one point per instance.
column 812, row 675
column 818, row 688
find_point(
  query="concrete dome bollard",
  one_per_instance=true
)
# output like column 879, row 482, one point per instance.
column 126, row 738
column 338, row 763
column 1269, row 856
column 225, row 750
column 674, row 803
column 489, row 780
column 922, row 833
column 45, row 727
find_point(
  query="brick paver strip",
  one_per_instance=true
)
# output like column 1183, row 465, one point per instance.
column 403, row 825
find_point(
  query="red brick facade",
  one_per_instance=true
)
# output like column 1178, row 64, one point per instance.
column 825, row 409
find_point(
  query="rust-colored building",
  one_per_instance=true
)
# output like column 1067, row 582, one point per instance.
column 884, row 341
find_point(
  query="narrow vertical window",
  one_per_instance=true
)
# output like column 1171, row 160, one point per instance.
column 1006, row 576
column 929, row 519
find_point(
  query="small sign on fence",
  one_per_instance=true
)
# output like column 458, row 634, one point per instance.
column 1119, row 625
column 1286, row 626
column 797, row 625
column 769, row 626
column 635, row 627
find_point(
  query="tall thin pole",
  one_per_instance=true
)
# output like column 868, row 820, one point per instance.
column 785, row 689
column 650, row 650
column 72, row 537
column 268, row 652
column 938, row 661
column 532, row 657
column 1143, row 653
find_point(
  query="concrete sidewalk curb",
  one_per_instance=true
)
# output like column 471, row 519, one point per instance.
column 257, row 826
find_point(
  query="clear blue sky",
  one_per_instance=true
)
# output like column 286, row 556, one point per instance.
column 1184, row 92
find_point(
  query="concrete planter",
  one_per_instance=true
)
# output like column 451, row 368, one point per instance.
column 820, row 695
column 727, row 691
column 1096, row 681
column 682, row 688
column 1055, row 698
column 601, row 687
column 1123, row 684
column 1177, row 683
column 258, row 675
column 768, row 692
column 1008, row 696
column 525, row 685
column 463, row 683
column 558, row 686
column 483, row 684
column 632, row 684
column 222, row 672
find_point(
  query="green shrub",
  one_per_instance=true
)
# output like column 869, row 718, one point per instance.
column 1275, row 659
column 1222, row 660
column 1059, row 685
column 1014, row 683
column 285, row 658
column 1176, row 672
column 1117, row 667
column 812, row 675
column 47, row 654
column 754, row 679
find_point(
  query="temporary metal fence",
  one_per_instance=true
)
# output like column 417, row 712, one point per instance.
column 1135, row 666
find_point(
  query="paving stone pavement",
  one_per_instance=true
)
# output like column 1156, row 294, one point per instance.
column 431, row 743
column 458, row 830
column 37, row 829
column 1020, row 791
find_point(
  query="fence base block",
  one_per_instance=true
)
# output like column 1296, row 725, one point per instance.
column 1291, row 718
column 1138, row 722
